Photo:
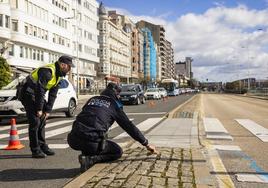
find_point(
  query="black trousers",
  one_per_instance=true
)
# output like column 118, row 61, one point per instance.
column 35, row 131
column 110, row 152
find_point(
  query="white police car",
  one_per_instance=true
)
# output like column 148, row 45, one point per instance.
column 66, row 100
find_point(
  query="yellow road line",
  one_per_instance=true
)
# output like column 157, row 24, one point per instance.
column 224, row 179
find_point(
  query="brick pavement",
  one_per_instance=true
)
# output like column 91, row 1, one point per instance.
column 172, row 167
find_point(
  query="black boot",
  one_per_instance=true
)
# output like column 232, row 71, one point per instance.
column 38, row 154
column 86, row 162
column 48, row 151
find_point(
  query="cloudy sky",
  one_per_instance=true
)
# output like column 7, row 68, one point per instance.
column 228, row 40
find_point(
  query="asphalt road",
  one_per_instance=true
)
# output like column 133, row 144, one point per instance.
column 253, row 156
column 19, row 170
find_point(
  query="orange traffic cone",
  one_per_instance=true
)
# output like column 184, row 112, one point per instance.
column 14, row 141
column 151, row 104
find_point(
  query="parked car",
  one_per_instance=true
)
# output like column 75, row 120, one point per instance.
column 163, row 91
column 152, row 93
column 132, row 94
column 66, row 100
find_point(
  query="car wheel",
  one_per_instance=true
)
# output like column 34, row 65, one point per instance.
column 138, row 101
column 71, row 108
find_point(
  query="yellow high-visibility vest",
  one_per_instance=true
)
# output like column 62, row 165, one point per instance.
column 51, row 83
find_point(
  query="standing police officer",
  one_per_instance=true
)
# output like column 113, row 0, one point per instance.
column 37, row 83
column 89, row 130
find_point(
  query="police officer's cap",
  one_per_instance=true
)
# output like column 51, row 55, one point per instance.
column 114, row 86
column 66, row 60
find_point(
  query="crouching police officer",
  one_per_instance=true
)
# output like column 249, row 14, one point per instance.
column 37, row 109
column 89, row 130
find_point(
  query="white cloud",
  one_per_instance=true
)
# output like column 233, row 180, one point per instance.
column 225, row 43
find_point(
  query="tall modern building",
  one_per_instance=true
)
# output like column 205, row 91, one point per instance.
column 150, row 56
column 37, row 32
column 158, row 33
column 115, row 48
column 170, row 73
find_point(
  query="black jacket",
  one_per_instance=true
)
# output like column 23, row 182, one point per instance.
column 38, row 90
column 97, row 116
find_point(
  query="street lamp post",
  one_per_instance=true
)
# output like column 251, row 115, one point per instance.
column 77, row 52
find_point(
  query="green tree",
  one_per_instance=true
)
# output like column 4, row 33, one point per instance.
column 5, row 72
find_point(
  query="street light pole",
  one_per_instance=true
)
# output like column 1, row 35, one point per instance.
column 75, row 17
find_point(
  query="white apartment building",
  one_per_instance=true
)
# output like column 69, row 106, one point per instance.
column 115, row 50
column 37, row 32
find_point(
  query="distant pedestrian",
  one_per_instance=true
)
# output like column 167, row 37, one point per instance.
column 37, row 109
column 89, row 131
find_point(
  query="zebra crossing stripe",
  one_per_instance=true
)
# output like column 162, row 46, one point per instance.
column 54, row 132
column 215, row 130
column 8, row 127
column 3, row 146
column 143, row 126
column 23, row 131
column 58, row 146
column 226, row 147
column 114, row 125
column 258, row 178
column 254, row 128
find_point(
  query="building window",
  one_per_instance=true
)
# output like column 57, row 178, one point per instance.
column 42, row 56
column 14, row 25
column 11, row 50
column 21, row 51
column 7, row 21
column 26, row 52
column 38, row 55
column 1, row 20
column 14, row 3
column 34, row 54
column 26, row 29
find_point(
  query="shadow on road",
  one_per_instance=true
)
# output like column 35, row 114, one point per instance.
column 15, row 156
column 37, row 174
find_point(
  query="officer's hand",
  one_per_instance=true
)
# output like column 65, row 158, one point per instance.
column 39, row 113
column 46, row 115
column 151, row 149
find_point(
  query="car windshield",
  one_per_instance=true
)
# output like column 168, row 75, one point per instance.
column 128, row 88
column 152, row 90
column 12, row 85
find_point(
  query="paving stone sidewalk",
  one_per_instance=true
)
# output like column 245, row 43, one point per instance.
column 172, row 167
column 183, row 165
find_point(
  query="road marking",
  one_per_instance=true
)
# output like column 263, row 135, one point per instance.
column 146, row 113
column 8, row 127
column 3, row 146
column 143, row 126
column 215, row 130
column 58, row 146
column 4, row 136
column 23, row 131
column 224, row 180
column 114, row 125
column 258, row 175
column 226, row 147
column 54, row 132
column 254, row 128
column 251, row 178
